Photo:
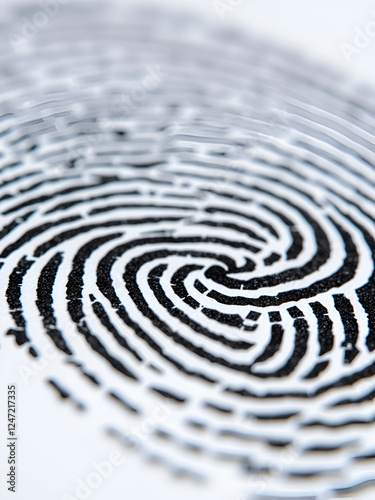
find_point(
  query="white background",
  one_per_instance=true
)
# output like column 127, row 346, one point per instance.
column 56, row 443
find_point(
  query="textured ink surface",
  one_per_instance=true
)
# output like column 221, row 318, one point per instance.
column 189, row 218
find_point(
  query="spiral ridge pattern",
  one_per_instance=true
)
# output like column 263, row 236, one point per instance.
column 189, row 217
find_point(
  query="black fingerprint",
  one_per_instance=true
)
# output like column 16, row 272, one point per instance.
column 190, row 221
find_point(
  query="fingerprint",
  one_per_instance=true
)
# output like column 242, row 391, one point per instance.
column 188, row 219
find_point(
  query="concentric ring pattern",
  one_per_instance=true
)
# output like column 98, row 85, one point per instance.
column 188, row 219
